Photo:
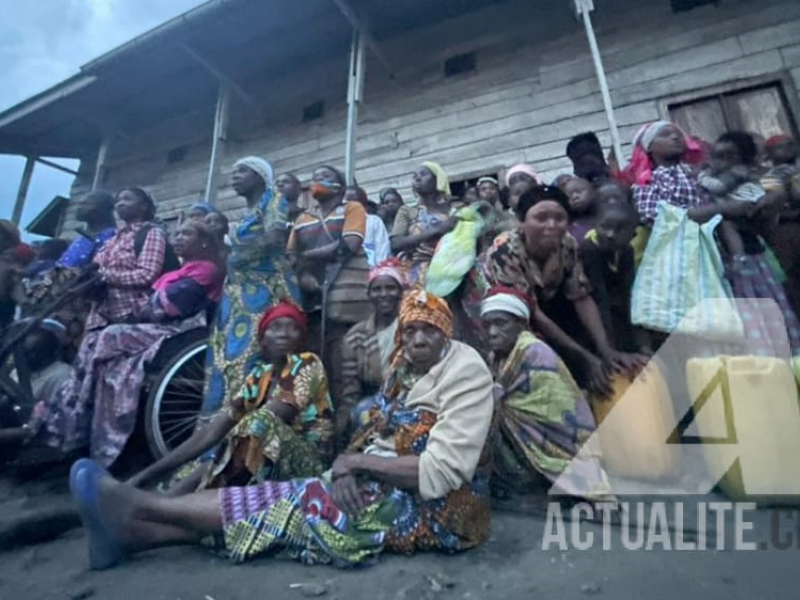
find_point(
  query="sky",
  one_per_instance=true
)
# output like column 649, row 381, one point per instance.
column 42, row 42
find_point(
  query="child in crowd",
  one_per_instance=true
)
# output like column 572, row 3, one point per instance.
column 582, row 206
column 782, row 152
column 608, row 262
column 731, row 177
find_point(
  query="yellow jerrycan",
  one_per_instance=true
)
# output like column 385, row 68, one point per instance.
column 634, row 424
column 747, row 416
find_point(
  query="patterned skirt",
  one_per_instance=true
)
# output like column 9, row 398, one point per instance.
column 260, row 448
column 99, row 406
column 299, row 520
column 765, row 331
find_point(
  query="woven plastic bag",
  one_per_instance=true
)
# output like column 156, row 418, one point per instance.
column 680, row 285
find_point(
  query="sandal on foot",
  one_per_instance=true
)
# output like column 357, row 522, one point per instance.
column 104, row 550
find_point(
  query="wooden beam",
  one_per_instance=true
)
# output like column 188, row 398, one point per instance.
column 22, row 192
column 56, row 166
column 217, row 72
column 361, row 26
column 218, row 143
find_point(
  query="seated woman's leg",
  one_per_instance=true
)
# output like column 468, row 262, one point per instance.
column 139, row 520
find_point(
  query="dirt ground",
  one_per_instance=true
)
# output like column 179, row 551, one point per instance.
column 511, row 565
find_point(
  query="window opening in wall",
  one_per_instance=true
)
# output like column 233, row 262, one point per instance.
column 684, row 5
column 177, row 155
column 462, row 63
column 763, row 110
column 312, row 112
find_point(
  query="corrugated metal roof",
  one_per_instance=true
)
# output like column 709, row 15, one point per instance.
column 152, row 77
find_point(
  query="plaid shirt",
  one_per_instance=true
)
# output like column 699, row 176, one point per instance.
column 675, row 185
column 128, row 276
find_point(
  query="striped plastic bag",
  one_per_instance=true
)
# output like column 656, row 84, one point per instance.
column 680, row 285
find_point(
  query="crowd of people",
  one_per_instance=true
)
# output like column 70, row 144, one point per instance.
column 378, row 370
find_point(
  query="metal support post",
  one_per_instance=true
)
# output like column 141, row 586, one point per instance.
column 22, row 193
column 584, row 8
column 218, row 142
column 355, row 94
column 100, row 164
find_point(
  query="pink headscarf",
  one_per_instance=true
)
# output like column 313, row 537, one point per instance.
column 640, row 167
column 391, row 267
column 522, row 168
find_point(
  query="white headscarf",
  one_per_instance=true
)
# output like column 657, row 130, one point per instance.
column 506, row 303
column 259, row 166
column 647, row 134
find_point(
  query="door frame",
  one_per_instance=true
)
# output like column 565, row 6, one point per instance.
column 783, row 79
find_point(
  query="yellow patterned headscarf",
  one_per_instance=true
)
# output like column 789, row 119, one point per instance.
column 442, row 180
column 419, row 305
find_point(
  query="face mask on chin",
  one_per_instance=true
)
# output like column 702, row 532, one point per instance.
column 322, row 190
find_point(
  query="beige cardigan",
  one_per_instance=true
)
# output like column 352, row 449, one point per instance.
column 459, row 390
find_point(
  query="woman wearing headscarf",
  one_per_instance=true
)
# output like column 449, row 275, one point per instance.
column 257, row 278
column 199, row 211
column 368, row 346
column 414, row 478
column 519, row 179
column 661, row 169
column 278, row 426
column 417, row 229
column 542, row 416
column 541, row 259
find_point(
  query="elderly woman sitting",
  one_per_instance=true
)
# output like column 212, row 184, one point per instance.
column 414, row 478
column 280, row 425
column 368, row 346
column 543, row 417
column 100, row 404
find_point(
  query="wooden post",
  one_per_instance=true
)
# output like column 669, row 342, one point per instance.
column 218, row 142
column 584, row 8
column 100, row 164
column 355, row 92
column 22, row 193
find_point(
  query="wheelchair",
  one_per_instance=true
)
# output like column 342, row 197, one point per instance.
column 171, row 397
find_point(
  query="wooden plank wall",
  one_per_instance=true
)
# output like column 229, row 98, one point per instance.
column 534, row 88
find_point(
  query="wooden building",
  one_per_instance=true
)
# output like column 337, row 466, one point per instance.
column 476, row 85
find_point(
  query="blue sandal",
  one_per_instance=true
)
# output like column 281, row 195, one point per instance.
column 104, row 550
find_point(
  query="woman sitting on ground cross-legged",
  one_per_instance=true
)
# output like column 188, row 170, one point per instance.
column 542, row 416
column 279, row 426
column 414, row 477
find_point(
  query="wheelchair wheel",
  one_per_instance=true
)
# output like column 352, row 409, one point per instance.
column 175, row 400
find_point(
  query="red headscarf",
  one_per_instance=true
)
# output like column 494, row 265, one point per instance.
column 284, row 308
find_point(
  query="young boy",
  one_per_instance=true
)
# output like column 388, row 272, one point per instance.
column 582, row 206
column 608, row 262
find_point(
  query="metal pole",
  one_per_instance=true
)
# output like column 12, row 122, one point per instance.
column 585, row 7
column 220, row 135
column 100, row 164
column 355, row 90
column 22, row 193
